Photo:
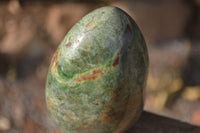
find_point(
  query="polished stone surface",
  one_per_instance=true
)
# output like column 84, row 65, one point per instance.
column 96, row 77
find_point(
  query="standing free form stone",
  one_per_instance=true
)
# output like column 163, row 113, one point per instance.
column 96, row 78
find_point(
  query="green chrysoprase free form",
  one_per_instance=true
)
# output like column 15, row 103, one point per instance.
column 96, row 78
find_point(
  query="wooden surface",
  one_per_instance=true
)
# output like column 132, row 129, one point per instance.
column 152, row 123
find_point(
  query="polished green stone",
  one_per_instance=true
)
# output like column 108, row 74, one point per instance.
column 96, row 78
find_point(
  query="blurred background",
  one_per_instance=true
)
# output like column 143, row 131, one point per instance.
column 30, row 31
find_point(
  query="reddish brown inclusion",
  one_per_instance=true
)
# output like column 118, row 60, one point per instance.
column 55, row 62
column 90, row 76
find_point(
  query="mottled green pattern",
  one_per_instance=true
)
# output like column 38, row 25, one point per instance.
column 96, row 78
